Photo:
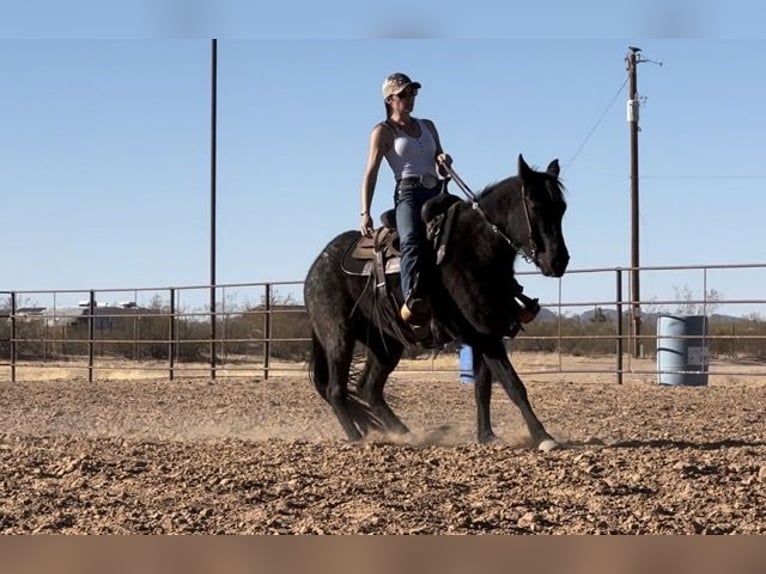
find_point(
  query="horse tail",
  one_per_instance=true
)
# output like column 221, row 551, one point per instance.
column 319, row 372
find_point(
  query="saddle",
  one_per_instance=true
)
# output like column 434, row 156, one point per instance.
column 376, row 255
column 379, row 255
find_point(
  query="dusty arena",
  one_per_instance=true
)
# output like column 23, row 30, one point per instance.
column 252, row 456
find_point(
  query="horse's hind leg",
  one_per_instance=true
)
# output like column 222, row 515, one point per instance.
column 500, row 367
column 339, row 354
column 382, row 358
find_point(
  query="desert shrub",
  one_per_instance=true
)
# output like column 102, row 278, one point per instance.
column 289, row 328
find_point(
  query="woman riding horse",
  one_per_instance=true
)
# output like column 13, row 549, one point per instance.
column 471, row 297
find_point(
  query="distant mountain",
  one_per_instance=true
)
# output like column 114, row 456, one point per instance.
column 546, row 315
column 610, row 315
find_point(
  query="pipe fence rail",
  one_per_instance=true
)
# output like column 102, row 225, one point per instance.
column 261, row 329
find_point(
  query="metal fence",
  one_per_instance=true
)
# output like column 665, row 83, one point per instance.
column 261, row 329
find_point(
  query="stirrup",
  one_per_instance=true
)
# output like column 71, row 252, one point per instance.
column 414, row 311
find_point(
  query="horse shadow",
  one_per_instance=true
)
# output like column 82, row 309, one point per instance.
column 659, row 443
column 663, row 443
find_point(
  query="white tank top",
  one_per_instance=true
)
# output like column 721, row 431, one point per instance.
column 411, row 156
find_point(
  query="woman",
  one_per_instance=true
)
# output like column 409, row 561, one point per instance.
column 412, row 149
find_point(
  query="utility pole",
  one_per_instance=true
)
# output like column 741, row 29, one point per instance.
column 213, row 129
column 633, row 59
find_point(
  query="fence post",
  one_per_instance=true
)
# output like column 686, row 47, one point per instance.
column 91, row 333
column 12, row 347
column 224, row 325
column 267, row 332
column 213, row 333
column 172, row 335
column 705, row 343
column 619, row 348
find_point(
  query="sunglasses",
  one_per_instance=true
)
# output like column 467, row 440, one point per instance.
column 407, row 94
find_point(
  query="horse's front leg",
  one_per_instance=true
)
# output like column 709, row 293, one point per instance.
column 500, row 367
column 483, row 395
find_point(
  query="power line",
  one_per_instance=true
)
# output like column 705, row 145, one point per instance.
column 702, row 176
column 595, row 127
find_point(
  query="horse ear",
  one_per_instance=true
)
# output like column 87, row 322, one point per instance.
column 524, row 169
column 553, row 168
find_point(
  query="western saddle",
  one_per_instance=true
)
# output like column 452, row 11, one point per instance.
column 379, row 255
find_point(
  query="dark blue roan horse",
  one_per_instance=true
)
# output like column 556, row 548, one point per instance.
column 470, row 294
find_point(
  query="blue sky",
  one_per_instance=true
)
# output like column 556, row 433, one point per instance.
column 106, row 147
column 334, row 19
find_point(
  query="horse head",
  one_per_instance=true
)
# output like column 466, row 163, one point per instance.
column 537, row 225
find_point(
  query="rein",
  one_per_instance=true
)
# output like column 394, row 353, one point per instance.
column 495, row 229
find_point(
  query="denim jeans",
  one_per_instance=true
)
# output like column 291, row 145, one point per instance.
column 409, row 199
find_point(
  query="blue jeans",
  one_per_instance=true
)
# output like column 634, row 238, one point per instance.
column 409, row 199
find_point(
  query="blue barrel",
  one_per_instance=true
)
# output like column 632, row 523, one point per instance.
column 682, row 357
column 466, row 364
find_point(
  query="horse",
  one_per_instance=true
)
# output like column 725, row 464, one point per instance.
column 470, row 295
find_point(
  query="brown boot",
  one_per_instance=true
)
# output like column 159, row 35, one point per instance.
column 528, row 308
column 414, row 311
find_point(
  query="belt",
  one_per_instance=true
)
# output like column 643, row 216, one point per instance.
column 428, row 181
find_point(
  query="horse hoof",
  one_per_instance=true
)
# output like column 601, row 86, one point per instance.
column 487, row 439
column 548, row 445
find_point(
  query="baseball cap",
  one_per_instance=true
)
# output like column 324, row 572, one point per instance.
column 395, row 83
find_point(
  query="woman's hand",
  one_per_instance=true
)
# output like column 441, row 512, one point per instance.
column 365, row 224
column 443, row 161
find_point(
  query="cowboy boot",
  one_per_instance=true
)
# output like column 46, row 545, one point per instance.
column 528, row 307
column 415, row 311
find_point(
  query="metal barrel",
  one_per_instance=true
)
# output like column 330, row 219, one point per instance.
column 682, row 356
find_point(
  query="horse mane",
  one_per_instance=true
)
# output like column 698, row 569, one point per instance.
column 555, row 192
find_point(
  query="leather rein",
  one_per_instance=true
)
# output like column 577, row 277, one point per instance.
column 530, row 257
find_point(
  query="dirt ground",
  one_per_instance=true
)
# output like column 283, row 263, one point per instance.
column 248, row 455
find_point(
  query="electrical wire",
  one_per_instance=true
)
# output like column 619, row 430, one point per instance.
column 595, row 127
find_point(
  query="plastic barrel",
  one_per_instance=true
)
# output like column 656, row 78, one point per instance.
column 682, row 357
column 466, row 364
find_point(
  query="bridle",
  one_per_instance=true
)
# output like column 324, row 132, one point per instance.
column 530, row 255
